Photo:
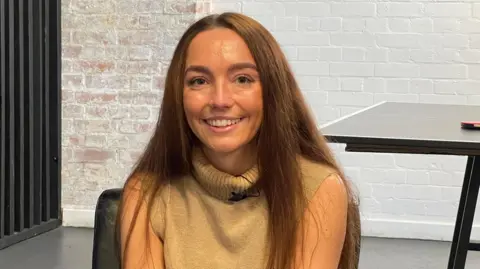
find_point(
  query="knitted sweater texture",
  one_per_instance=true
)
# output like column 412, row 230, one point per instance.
column 201, row 229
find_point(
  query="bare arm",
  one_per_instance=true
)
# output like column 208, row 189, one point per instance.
column 325, row 226
column 145, row 249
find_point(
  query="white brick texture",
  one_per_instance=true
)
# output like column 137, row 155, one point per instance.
column 115, row 54
column 348, row 55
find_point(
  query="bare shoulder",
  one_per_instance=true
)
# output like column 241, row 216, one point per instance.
column 138, row 183
column 136, row 226
column 134, row 195
column 326, row 190
column 331, row 197
column 330, row 201
column 141, row 187
column 314, row 174
column 145, row 191
column 325, row 224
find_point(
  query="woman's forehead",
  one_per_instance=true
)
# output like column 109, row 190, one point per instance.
column 216, row 45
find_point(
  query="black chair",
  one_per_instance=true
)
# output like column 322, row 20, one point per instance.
column 104, row 245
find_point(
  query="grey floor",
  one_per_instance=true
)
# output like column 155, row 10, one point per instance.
column 70, row 248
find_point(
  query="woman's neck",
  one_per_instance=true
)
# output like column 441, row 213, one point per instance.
column 234, row 163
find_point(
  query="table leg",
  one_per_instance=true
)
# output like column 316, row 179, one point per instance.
column 465, row 214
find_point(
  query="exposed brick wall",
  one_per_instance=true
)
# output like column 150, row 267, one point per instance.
column 351, row 54
column 115, row 56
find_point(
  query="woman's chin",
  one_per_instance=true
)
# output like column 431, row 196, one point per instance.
column 223, row 148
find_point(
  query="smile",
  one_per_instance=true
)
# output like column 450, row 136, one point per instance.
column 223, row 122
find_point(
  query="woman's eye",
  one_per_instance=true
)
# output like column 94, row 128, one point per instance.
column 196, row 82
column 243, row 80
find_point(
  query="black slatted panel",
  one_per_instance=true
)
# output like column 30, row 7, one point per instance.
column 3, row 116
column 30, row 107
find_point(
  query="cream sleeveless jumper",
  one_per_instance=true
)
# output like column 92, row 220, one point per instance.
column 201, row 229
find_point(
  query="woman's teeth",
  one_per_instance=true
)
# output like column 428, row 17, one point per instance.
column 222, row 123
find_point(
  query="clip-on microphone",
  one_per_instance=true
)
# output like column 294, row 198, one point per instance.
column 237, row 196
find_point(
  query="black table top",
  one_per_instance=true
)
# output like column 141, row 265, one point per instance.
column 408, row 128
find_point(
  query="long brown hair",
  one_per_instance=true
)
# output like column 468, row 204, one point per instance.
column 287, row 130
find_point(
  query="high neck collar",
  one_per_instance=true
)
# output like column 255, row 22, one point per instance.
column 220, row 184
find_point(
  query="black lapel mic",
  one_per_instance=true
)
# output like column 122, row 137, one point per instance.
column 238, row 196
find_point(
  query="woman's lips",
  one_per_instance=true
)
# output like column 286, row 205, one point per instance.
column 221, row 125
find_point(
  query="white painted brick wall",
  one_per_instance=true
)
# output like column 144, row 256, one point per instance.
column 351, row 54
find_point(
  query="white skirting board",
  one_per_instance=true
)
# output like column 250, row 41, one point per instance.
column 73, row 217
column 370, row 227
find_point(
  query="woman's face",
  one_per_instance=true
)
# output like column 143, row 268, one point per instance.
column 222, row 93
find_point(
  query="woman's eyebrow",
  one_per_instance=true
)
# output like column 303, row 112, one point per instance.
column 244, row 65
column 233, row 67
column 199, row 69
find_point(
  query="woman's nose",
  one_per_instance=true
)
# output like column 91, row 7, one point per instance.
column 222, row 95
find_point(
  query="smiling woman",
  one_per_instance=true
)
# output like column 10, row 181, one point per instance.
column 236, row 174
column 222, row 98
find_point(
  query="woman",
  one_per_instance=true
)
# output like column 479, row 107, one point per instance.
column 236, row 174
